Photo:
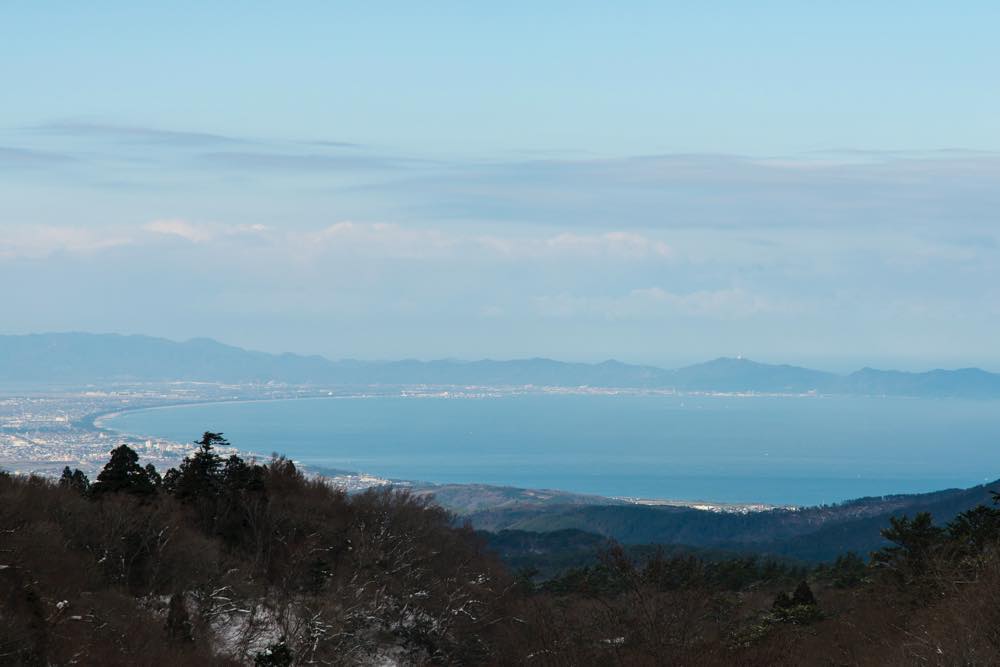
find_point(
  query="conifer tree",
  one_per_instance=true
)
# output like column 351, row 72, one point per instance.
column 803, row 595
column 123, row 474
column 238, row 475
column 975, row 529
column 913, row 541
column 199, row 475
column 75, row 480
column 154, row 477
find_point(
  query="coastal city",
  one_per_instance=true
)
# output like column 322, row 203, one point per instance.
column 43, row 432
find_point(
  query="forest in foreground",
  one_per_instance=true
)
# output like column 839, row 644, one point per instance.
column 223, row 561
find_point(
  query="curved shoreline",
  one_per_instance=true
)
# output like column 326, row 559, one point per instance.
column 96, row 421
column 99, row 417
column 348, row 465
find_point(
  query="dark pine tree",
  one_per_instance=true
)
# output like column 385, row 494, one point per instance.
column 75, row 480
column 975, row 529
column 154, row 477
column 238, row 475
column 241, row 490
column 803, row 595
column 199, row 475
column 123, row 474
column 913, row 540
column 848, row 570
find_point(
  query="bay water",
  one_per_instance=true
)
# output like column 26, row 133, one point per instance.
column 766, row 449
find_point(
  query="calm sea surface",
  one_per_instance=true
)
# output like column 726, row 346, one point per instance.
column 757, row 449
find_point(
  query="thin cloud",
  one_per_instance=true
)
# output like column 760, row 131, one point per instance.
column 336, row 144
column 612, row 244
column 621, row 244
column 25, row 158
column 261, row 161
column 134, row 134
column 376, row 240
column 861, row 154
column 42, row 241
column 689, row 191
column 180, row 228
column 653, row 303
column 201, row 233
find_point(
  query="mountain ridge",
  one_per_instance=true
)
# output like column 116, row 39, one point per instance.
column 814, row 533
column 76, row 357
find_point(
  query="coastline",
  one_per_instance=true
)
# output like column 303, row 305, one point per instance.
column 99, row 422
column 469, row 393
column 356, row 480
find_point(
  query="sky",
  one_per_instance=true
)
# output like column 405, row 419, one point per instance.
column 661, row 182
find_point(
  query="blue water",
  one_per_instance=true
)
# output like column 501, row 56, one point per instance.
column 805, row 450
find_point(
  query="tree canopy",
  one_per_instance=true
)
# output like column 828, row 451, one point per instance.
column 123, row 474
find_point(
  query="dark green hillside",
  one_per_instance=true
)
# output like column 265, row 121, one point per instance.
column 814, row 534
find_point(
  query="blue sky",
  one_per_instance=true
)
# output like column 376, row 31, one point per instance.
column 658, row 182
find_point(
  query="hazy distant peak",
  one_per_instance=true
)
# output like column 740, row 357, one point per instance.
column 85, row 358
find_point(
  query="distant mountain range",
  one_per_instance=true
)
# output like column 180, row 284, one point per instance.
column 80, row 358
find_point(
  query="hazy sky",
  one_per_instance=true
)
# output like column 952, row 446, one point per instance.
column 810, row 182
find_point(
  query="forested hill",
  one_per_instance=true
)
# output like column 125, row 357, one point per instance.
column 79, row 358
column 809, row 534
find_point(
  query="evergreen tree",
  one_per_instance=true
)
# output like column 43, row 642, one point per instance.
column 123, row 474
column 154, row 477
column 848, row 570
column 241, row 489
column 803, row 595
column 238, row 475
column 199, row 475
column 913, row 539
column 75, row 480
column 974, row 529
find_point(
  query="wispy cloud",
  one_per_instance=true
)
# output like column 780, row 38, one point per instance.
column 612, row 244
column 622, row 244
column 201, row 232
column 834, row 190
column 712, row 191
column 41, row 241
column 180, row 228
column 385, row 240
column 395, row 240
column 24, row 158
column 652, row 303
column 133, row 134
column 303, row 162
column 348, row 238
column 336, row 144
